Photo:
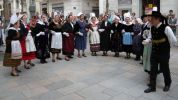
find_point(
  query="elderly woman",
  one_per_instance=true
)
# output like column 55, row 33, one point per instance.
column 94, row 37
column 81, row 35
column 27, row 56
column 55, row 37
column 13, row 37
column 105, row 33
column 41, row 36
column 137, row 28
column 128, row 35
column 68, row 38
column 116, row 37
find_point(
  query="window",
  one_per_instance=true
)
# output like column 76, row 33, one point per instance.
column 124, row 2
column 32, row 2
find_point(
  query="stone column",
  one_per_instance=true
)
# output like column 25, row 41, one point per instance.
column 101, row 6
column 136, row 7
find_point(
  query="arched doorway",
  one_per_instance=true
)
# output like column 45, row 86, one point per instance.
column 147, row 5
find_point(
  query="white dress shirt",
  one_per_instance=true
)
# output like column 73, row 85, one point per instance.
column 170, row 35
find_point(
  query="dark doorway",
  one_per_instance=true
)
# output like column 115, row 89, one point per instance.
column 95, row 10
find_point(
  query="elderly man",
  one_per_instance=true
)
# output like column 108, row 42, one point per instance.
column 162, row 40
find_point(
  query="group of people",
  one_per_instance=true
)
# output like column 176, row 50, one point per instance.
column 147, row 37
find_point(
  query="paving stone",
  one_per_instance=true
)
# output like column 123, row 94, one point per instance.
column 59, row 84
column 94, row 93
column 123, row 96
column 71, row 97
column 72, row 88
column 34, row 92
column 51, row 95
column 90, row 78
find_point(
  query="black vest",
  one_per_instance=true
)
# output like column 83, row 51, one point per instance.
column 160, row 41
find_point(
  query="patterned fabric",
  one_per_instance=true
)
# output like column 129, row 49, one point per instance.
column 95, row 47
column 8, row 62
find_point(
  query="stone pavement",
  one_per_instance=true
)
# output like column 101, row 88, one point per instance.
column 91, row 78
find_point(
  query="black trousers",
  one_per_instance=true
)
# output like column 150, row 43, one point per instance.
column 162, row 61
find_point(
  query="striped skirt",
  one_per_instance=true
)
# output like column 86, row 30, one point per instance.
column 8, row 62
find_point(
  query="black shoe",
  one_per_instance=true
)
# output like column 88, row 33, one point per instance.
column 14, row 74
column 70, row 57
column 137, row 59
column 45, row 61
column 149, row 90
column 58, row 58
column 84, row 55
column 53, row 60
column 42, row 61
column 18, row 71
column 166, row 88
column 148, row 85
column 95, row 54
column 31, row 64
column 26, row 67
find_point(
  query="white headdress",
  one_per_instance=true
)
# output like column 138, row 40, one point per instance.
column 14, row 19
column 79, row 14
column 92, row 15
column 127, row 15
column 55, row 13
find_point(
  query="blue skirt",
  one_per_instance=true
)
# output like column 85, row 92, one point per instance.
column 80, row 42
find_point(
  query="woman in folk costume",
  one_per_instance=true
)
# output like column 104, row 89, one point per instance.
column 68, row 38
column 11, row 58
column 128, row 35
column 105, row 32
column 27, row 55
column 94, row 37
column 41, row 39
column 137, row 38
column 116, row 37
column 81, row 35
column 55, row 37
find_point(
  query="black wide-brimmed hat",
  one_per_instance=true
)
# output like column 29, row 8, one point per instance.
column 143, row 16
column 157, row 14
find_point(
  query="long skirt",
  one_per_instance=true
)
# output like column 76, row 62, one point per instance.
column 95, row 47
column 52, row 50
column 8, row 62
column 68, row 45
column 80, row 42
column 146, row 57
column 26, row 55
column 105, row 41
column 116, row 43
column 137, row 44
